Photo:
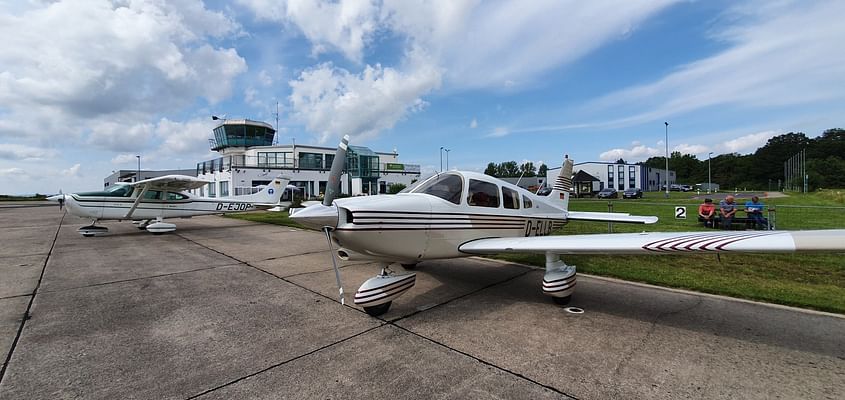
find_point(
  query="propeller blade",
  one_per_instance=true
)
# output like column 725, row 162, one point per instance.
column 334, row 263
column 333, row 185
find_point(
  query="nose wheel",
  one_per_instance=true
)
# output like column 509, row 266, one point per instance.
column 377, row 293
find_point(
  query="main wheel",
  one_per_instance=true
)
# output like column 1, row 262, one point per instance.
column 380, row 309
column 562, row 301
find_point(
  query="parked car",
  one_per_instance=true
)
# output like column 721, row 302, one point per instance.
column 686, row 188
column 544, row 191
column 632, row 194
column 674, row 187
column 608, row 193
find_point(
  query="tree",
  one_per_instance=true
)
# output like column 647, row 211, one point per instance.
column 508, row 169
column 491, row 169
column 621, row 161
column 543, row 171
column 395, row 188
column 527, row 169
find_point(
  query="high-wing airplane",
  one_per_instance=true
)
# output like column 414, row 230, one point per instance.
column 158, row 198
column 460, row 214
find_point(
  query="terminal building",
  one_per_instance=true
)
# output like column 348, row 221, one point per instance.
column 248, row 158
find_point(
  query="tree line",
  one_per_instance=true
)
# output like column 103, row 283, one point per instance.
column 764, row 169
column 761, row 170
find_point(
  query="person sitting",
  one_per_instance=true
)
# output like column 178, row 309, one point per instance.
column 707, row 212
column 754, row 210
column 728, row 208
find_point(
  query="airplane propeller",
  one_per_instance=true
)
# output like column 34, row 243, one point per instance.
column 329, row 211
column 59, row 198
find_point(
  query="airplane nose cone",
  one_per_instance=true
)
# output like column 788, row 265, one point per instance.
column 317, row 216
column 56, row 197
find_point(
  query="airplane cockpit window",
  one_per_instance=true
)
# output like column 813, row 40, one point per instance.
column 510, row 198
column 445, row 186
column 114, row 191
column 152, row 195
column 483, row 194
column 526, row 202
column 176, row 196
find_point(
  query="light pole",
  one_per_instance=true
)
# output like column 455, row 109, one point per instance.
column 709, row 180
column 138, row 178
column 667, row 159
column 441, row 158
column 447, row 159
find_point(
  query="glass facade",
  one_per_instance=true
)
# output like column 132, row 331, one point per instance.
column 310, row 160
column 245, row 134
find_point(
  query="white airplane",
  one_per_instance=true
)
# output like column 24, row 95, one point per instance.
column 155, row 199
column 460, row 214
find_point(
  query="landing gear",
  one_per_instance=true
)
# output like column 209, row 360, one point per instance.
column 92, row 230
column 380, row 309
column 559, row 280
column 562, row 301
column 376, row 294
column 159, row 227
column 143, row 224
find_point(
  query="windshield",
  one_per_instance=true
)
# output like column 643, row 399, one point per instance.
column 446, row 186
column 114, row 191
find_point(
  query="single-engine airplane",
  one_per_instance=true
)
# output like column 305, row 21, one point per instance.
column 158, row 198
column 460, row 214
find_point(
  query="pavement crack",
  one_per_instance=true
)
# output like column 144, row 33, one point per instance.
column 285, row 362
column 652, row 327
column 138, row 278
column 26, row 314
column 482, row 361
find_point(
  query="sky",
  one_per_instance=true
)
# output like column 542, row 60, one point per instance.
column 87, row 85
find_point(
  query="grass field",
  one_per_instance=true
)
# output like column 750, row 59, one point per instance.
column 815, row 281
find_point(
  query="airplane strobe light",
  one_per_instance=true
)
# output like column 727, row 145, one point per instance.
column 460, row 214
column 148, row 202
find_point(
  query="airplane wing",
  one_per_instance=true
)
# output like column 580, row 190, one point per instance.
column 610, row 217
column 666, row 243
column 174, row 183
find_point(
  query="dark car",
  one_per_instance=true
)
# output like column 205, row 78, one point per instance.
column 608, row 193
column 632, row 194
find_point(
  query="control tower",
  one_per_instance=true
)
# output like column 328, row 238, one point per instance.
column 241, row 133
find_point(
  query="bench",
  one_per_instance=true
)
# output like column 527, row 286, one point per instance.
column 742, row 222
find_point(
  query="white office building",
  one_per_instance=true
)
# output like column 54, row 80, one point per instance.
column 621, row 176
column 249, row 159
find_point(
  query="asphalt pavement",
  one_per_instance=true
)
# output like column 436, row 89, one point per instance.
column 225, row 309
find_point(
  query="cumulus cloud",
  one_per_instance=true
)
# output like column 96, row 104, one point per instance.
column 747, row 143
column 743, row 145
column 102, row 68
column 473, row 124
column 72, row 172
column 17, row 152
column 332, row 101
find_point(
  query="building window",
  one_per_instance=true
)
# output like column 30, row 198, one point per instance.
column 211, row 190
column 632, row 177
column 224, row 188
column 310, row 160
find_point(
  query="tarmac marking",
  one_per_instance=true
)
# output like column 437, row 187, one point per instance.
column 31, row 300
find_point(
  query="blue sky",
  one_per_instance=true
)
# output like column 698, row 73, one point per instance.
column 87, row 85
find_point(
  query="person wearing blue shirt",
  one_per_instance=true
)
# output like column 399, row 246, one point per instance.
column 754, row 210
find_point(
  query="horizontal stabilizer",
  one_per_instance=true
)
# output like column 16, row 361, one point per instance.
column 610, row 217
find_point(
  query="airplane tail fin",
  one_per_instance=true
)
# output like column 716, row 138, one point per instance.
column 562, row 186
column 271, row 194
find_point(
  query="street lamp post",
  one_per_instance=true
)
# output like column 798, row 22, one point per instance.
column 709, row 179
column 667, row 159
column 447, row 159
column 138, row 178
column 441, row 158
